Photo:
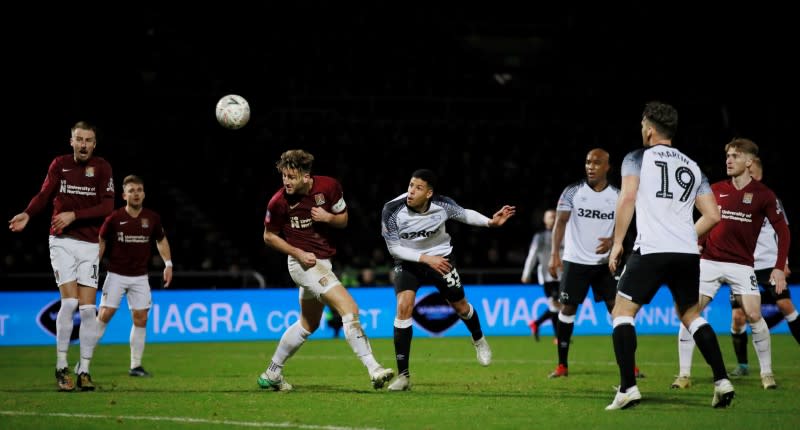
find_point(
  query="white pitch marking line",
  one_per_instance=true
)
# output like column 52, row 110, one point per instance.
column 186, row 420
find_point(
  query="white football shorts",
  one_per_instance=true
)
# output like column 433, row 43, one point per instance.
column 741, row 278
column 315, row 281
column 74, row 260
column 137, row 289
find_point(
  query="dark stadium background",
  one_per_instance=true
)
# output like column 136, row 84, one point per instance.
column 503, row 102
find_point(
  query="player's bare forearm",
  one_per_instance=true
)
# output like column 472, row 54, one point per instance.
column 614, row 257
column 277, row 243
column 558, row 232
column 166, row 255
column 62, row 220
column 709, row 213
column 554, row 264
column 440, row 264
column 626, row 205
column 334, row 220
column 164, row 249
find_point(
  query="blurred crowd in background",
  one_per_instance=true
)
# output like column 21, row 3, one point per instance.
column 502, row 104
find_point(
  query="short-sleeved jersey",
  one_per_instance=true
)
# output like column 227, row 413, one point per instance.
column 129, row 240
column 766, row 253
column 290, row 216
column 426, row 232
column 539, row 255
column 85, row 188
column 669, row 183
column 591, row 217
column 742, row 212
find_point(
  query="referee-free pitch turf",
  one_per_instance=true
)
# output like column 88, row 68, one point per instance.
column 213, row 385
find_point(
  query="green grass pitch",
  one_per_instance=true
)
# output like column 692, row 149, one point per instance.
column 213, row 385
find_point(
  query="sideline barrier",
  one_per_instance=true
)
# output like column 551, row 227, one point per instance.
column 28, row 318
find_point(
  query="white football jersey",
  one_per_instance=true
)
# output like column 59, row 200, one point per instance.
column 591, row 217
column 669, row 183
column 408, row 233
column 767, row 245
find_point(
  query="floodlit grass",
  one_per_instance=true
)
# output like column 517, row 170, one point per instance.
column 213, row 385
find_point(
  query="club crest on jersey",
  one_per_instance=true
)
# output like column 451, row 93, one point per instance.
column 747, row 198
column 90, row 172
column 319, row 199
column 145, row 223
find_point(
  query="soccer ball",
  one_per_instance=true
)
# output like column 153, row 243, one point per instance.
column 233, row 111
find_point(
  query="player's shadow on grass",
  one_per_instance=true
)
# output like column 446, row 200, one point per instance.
column 661, row 399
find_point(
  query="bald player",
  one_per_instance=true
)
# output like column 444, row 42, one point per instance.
column 585, row 226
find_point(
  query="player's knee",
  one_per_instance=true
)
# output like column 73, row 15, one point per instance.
column 738, row 321
column 785, row 306
column 310, row 325
column 106, row 313
column 754, row 316
column 69, row 305
column 140, row 319
column 404, row 309
column 87, row 311
column 465, row 310
column 462, row 307
column 404, row 314
column 568, row 310
column 345, row 305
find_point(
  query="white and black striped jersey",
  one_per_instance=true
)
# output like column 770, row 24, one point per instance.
column 669, row 183
column 766, row 252
column 591, row 217
column 539, row 256
column 409, row 234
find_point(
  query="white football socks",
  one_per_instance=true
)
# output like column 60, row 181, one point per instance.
column 763, row 345
column 685, row 351
column 64, row 330
column 357, row 339
column 88, row 335
column 293, row 338
column 138, row 335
